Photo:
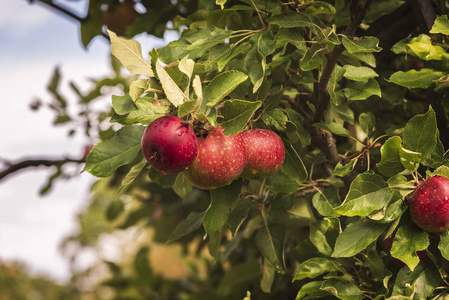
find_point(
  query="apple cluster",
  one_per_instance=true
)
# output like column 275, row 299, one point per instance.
column 214, row 159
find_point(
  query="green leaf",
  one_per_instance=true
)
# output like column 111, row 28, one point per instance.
column 293, row 166
column 420, row 133
column 92, row 26
column 367, row 193
column 325, row 201
column 123, row 104
column 367, row 122
column 342, row 289
column 415, row 284
column 145, row 113
column 313, row 289
column 406, row 242
column 356, row 237
column 333, row 127
column 181, row 186
column 292, row 36
column 192, row 106
column 443, row 245
column 173, row 92
column 366, row 44
column 166, row 181
column 313, row 58
column 268, row 274
column 314, row 267
column 441, row 25
column 300, row 214
column 129, row 53
column 138, row 87
column 400, row 47
column 186, row 66
column 219, row 209
column 270, row 242
column 291, row 20
column 276, row 119
column 362, row 91
column 239, row 214
column 320, row 7
column 142, row 264
column 194, row 42
column 362, row 74
column 132, row 174
column 416, row 79
column 422, row 46
column 115, row 208
column 255, row 59
column 318, row 238
column 341, row 170
column 235, row 51
column 390, row 163
column 243, row 274
column 281, row 183
column 193, row 222
column 121, row 149
column 409, row 159
column 442, row 83
column 223, row 84
column 236, row 114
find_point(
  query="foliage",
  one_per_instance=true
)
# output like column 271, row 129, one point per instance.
column 359, row 100
column 16, row 282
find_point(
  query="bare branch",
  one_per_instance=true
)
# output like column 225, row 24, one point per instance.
column 27, row 163
column 62, row 10
column 324, row 139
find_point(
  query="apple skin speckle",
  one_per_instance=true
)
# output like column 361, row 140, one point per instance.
column 265, row 153
column 169, row 144
column 429, row 204
column 220, row 160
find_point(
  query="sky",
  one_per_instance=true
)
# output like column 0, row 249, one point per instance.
column 33, row 41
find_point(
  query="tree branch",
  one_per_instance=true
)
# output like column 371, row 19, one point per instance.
column 325, row 139
column 27, row 163
column 62, row 10
column 357, row 13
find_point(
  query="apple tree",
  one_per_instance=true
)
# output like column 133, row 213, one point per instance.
column 355, row 90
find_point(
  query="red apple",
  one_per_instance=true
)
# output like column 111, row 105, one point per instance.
column 169, row 144
column 220, row 160
column 265, row 153
column 429, row 204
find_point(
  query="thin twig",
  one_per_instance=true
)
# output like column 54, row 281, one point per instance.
column 27, row 163
column 62, row 10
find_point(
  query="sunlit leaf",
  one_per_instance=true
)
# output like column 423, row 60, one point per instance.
column 174, row 93
column 129, row 53
column 314, row 267
column 222, row 85
column 416, row 79
column 361, row 45
column 406, row 242
column 367, row 193
column 441, row 25
column 236, row 114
